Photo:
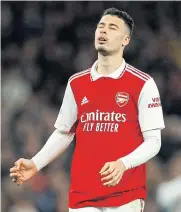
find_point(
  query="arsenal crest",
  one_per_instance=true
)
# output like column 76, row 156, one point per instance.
column 122, row 98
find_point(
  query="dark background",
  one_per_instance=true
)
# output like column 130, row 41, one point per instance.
column 42, row 45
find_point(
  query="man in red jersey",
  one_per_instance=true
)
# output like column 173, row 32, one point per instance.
column 116, row 113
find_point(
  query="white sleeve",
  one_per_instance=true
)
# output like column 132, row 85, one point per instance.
column 149, row 107
column 67, row 116
column 56, row 144
column 147, row 150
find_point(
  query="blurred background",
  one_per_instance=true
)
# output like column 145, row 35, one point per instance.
column 42, row 45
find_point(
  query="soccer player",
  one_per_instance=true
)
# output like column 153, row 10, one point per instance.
column 116, row 113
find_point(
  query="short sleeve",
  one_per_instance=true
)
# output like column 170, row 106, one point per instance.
column 67, row 116
column 149, row 107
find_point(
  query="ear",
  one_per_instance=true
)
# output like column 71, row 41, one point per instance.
column 126, row 40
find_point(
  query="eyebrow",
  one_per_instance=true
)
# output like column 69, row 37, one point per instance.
column 111, row 24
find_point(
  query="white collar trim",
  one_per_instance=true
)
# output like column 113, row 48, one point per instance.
column 114, row 75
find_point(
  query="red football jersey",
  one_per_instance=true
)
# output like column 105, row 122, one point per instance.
column 108, row 115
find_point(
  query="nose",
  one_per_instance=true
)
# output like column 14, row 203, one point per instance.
column 103, row 30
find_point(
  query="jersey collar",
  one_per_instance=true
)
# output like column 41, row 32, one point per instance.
column 115, row 75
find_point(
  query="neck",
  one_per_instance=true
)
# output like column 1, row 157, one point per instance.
column 108, row 64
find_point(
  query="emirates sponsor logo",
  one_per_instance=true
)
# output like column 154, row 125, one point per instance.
column 122, row 98
column 102, row 121
column 103, row 116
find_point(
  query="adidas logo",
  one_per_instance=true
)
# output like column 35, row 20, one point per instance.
column 84, row 100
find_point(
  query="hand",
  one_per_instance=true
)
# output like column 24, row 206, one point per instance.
column 112, row 172
column 23, row 170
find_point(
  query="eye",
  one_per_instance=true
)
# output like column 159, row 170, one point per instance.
column 113, row 28
column 100, row 26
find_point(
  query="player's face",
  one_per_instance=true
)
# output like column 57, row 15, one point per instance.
column 111, row 35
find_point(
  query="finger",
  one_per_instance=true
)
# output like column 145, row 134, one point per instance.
column 105, row 167
column 114, row 181
column 110, row 176
column 19, row 182
column 22, row 176
column 14, row 169
column 108, row 183
column 14, row 179
column 18, row 163
column 15, row 174
column 108, row 171
column 114, row 184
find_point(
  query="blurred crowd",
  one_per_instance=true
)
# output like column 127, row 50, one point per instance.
column 42, row 45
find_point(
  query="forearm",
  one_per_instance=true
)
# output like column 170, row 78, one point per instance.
column 55, row 145
column 147, row 150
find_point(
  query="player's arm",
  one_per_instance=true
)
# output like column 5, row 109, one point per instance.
column 147, row 150
column 151, row 122
column 64, row 133
column 55, row 146
column 24, row 169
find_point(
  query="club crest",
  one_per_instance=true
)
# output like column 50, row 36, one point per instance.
column 122, row 98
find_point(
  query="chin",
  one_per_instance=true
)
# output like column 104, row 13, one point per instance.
column 102, row 50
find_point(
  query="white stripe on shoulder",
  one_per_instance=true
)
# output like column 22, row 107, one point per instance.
column 80, row 74
column 138, row 71
column 130, row 71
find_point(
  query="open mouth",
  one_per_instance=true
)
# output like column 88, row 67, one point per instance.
column 102, row 39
